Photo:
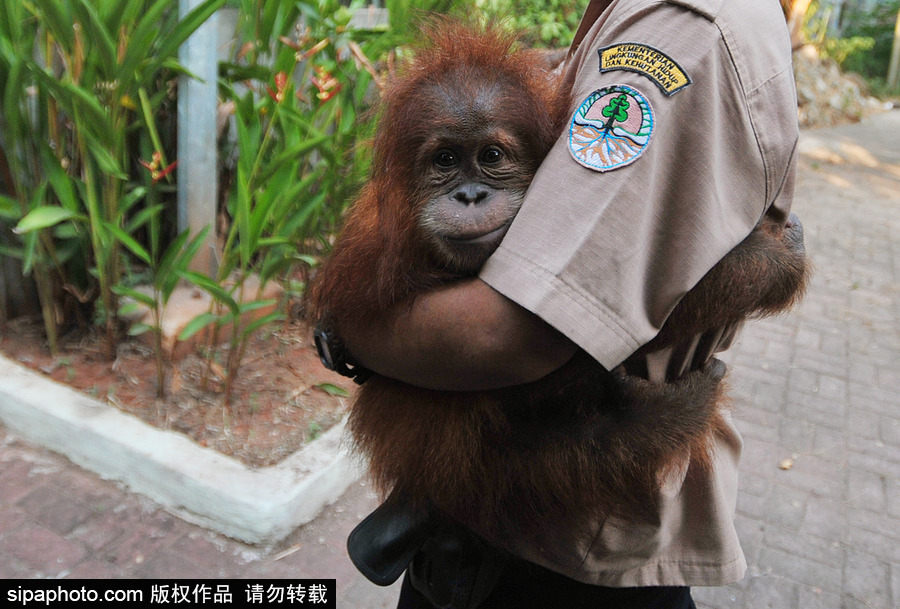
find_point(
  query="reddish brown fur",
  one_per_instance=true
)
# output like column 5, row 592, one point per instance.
column 574, row 446
column 579, row 444
column 765, row 274
column 380, row 257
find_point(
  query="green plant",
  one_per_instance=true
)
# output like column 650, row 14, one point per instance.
column 334, row 390
column 866, row 38
column 73, row 78
column 313, row 431
column 549, row 24
column 31, row 175
column 166, row 269
column 298, row 94
column 405, row 14
column 840, row 49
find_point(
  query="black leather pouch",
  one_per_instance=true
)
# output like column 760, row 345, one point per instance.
column 456, row 569
column 448, row 564
column 385, row 542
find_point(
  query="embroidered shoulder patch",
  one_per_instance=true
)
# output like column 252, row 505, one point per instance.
column 611, row 128
column 643, row 59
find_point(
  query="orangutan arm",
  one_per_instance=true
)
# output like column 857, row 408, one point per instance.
column 489, row 342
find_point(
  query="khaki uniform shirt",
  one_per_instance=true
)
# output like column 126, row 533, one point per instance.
column 683, row 134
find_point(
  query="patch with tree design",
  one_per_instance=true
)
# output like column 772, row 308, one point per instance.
column 611, row 128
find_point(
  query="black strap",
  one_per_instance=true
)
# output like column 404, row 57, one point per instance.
column 334, row 354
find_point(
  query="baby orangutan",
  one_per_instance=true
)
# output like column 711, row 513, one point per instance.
column 461, row 134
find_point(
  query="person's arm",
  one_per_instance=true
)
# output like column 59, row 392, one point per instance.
column 462, row 337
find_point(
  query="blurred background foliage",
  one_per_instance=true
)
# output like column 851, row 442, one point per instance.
column 858, row 35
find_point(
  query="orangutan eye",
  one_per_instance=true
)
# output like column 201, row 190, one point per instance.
column 445, row 159
column 491, row 155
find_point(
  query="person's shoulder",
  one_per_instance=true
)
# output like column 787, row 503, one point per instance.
column 717, row 10
column 708, row 8
column 734, row 11
column 753, row 31
column 738, row 13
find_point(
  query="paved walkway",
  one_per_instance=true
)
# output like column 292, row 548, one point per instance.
column 816, row 395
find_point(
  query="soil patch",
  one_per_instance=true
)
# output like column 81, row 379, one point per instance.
column 283, row 397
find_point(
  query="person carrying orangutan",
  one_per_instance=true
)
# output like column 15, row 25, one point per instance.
column 657, row 222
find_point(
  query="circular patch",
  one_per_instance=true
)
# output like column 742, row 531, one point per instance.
column 611, row 128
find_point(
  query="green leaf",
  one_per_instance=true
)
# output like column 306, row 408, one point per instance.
column 332, row 389
column 141, row 40
column 68, row 247
column 138, row 329
column 271, row 17
column 129, row 308
column 233, row 72
column 292, row 154
column 243, row 211
column 117, row 14
column 197, row 324
column 308, row 210
column 190, row 251
column 105, row 160
column 348, row 119
column 187, row 25
column 144, row 299
column 67, row 230
column 96, row 32
column 13, row 97
column 45, row 217
column 143, row 216
column 249, row 132
column 30, row 253
column 150, row 122
column 11, row 19
column 255, row 305
column 61, row 183
column 209, row 286
column 170, row 255
column 273, row 265
column 130, row 242
column 82, row 104
column 128, row 201
column 13, row 252
column 272, row 241
column 9, row 208
column 55, row 15
column 254, row 325
column 176, row 258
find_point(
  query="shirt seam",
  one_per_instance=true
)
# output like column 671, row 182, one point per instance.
column 715, row 569
column 725, row 33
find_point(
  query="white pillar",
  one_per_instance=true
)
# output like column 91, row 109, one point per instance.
column 894, row 68
column 197, row 176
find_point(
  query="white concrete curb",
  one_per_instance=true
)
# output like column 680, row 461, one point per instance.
column 257, row 506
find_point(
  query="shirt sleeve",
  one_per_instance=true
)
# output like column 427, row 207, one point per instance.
column 682, row 133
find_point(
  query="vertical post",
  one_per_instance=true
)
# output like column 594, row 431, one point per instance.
column 795, row 17
column 894, row 69
column 197, row 179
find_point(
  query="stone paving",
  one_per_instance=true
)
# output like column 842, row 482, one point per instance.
column 817, row 391
column 816, row 399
